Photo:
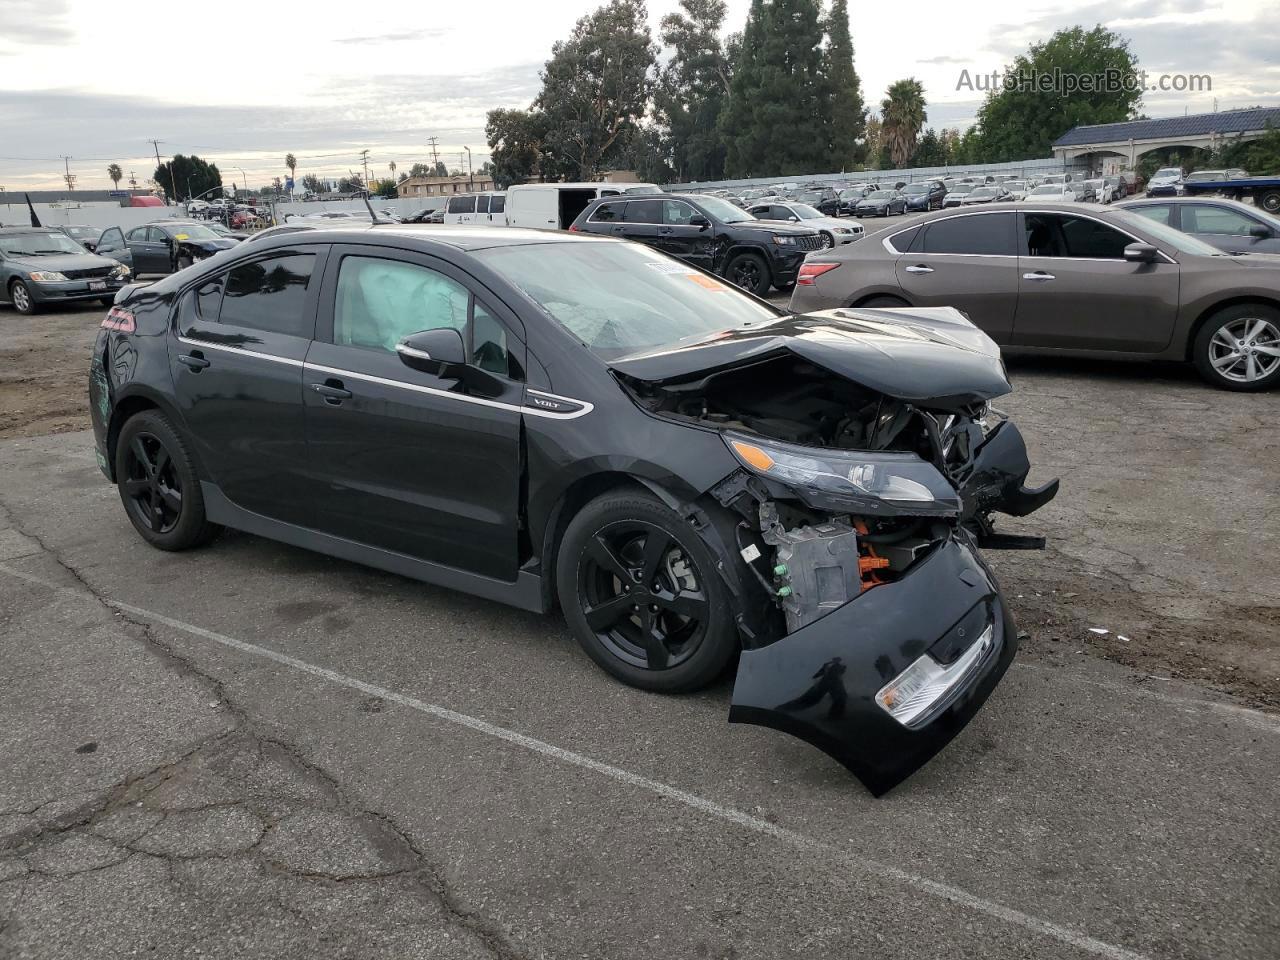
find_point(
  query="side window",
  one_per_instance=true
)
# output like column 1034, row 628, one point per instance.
column 111, row 240
column 137, row 234
column 1159, row 212
column 644, row 211
column 1199, row 218
column 677, row 213
column 482, row 204
column 902, row 241
column 489, row 343
column 988, row 233
column 497, row 204
column 208, row 299
column 380, row 302
column 462, row 205
column 155, row 235
column 270, row 295
column 608, row 212
column 1089, row 238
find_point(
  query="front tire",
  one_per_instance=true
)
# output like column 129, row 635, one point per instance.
column 1270, row 202
column 159, row 486
column 21, row 298
column 828, row 241
column 750, row 272
column 642, row 595
column 1238, row 348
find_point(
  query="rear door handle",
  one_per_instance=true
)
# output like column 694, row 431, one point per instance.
column 1039, row 275
column 919, row 268
column 332, row 391
column 194, row 361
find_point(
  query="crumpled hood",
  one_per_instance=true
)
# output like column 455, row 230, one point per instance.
column 914, row 354
column 59, row 262
column 220, row 243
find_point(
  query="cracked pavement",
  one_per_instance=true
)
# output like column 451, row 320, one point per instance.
column 166, row 792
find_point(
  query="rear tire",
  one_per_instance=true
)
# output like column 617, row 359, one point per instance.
column 884, row 301
column 1238, row 348
column 628, row 546
column 1270, row 202
column 750, row 272
column 159, row 486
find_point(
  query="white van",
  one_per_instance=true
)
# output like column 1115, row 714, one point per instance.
column 477, row 208
column 556, row 205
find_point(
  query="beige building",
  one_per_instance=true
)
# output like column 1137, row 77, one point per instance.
column 442, row 186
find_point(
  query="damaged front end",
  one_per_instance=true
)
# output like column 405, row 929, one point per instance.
column 873, row 628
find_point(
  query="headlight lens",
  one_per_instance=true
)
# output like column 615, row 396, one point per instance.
column 784, row 241
column 855, row 480
column 46, row 276
column 912, row 696
column 120, row 270
column 843, row 230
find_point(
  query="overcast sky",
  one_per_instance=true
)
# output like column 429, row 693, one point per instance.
column 95, row 81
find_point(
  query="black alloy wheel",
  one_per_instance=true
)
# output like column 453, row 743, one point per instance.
column 158, row 484
column 643, row 595
column 749, row 272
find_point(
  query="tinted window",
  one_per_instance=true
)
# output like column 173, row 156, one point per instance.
column 1216, row 220
column 270, row 295
column 497, row 204
column 677, row 213
column 462, row 205
column 608, row 211
column 902, row 241
column 482, row 204
column 208, row 298
column 1159, row 212
column 990, row 234
column 1062, row 235
column 644, row 211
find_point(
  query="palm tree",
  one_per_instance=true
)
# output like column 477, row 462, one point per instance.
column 291, row 162
column 902, row 115
column 115, row 173
column 392, row 165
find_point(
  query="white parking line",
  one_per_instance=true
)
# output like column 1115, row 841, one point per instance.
column 791, row 838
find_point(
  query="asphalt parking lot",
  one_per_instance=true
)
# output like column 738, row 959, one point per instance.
column 253, row 751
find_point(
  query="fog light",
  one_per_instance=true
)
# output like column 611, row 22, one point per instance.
column 911, row 696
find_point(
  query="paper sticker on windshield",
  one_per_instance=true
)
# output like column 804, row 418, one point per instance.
column 711, row 283
column 182, row 236
column 666, row 266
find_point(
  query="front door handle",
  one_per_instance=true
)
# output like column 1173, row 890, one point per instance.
column 919, row 268
column 1039, row 275
column 332, row 391
column 194, row 361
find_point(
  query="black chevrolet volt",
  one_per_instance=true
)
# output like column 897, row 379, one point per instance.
column 692, row 475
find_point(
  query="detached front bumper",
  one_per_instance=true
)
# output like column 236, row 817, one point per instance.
column 820, row 683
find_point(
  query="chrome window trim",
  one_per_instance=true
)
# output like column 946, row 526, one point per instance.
column 241, row 351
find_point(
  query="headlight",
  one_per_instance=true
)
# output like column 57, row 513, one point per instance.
column 990, row 419
column 860, row 481
column 784, row 241
column 46, row 276
column 912, row 697
column 120, row 270
column 843, row 230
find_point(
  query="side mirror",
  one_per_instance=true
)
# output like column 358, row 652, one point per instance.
column 433, row 351
column 1141, row 253
column 1260, row 231
column 793, row 219
column 698, row 220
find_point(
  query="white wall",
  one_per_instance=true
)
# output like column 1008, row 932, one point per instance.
column 92, row 214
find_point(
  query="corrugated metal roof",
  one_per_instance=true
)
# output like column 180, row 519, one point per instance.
column 1196, row 125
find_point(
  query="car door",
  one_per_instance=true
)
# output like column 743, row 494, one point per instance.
column 112, row 244
column 640, row 221
column 680, row 238
column 423, row 465
column 236, row 353
column 607, row 218
column 143, row 250
column 967, row 261
column 1227, row 229
column 482, row 209
column 1076, row 290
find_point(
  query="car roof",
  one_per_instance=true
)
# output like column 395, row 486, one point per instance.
column 459, row 236
column 13, row 231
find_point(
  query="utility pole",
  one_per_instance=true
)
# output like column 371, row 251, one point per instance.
column 435, row 154
column 68, row 175
column 172, row 182
column 364, row 158
column 471, row 175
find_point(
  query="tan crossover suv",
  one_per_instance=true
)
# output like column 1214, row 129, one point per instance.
column 1076, row 279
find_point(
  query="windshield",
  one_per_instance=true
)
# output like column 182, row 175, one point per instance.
column 962, row 188
column 193, row 231
column 982, row 192
column 1015, row 185
column 723, row 210
column 1046, row 190
column 1168, row 172
column 915, row 188
column 620, row 299
column 81, row 231
column 806, row 212
column 1166, row 234
column 38, row 244
column 642, row 189
column 879, row 195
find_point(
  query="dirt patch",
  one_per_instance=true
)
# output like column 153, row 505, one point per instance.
column 44, row 370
